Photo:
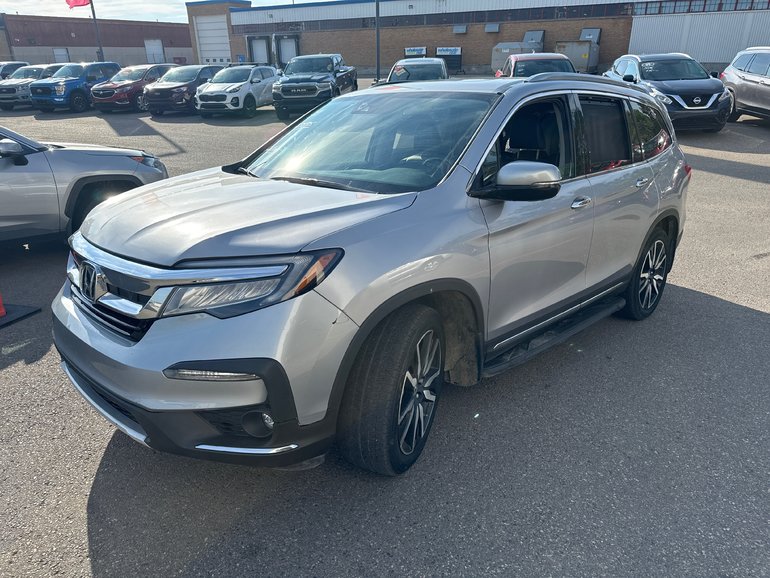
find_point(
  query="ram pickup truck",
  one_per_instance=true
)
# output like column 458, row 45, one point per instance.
column 309, row 81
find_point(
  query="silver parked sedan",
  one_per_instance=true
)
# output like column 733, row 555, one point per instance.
column 49, row 188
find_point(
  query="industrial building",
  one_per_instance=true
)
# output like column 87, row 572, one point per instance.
column 467, row 31
column 40, row 39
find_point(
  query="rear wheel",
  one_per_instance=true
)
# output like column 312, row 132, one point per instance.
column 649, row 278
column 393, row 391
column 78, row 102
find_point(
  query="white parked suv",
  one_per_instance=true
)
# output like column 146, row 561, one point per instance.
column 241, row 89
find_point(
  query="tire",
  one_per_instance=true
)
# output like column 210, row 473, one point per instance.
column 734, row 113
column 382, row 387
column 138, row 103
column 78, row 102
column 282, row 114
column 645, row 290
column 249, row 107
column 93, row 196
column 6, row 107
column 355, row 86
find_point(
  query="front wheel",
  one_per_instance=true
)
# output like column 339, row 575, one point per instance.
column 249, row 107
column 139, row 103
column 649, row 278
column 78, row 102
column 393, row 391
column 282, row 114
column 734, row 113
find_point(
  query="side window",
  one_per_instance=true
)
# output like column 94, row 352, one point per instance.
column 507, row 67
column 632, row 68
column 266, row 72
column 536, row 132
column 606, row 133
column 742, row 61
column 652, row 130
column 760, row 64
column 152, row 75
column 620, row 69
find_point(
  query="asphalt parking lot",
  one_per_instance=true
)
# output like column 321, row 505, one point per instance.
column 635, row 449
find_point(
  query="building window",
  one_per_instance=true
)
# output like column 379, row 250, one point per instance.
column 639, row 9
column 761, row 4
column 743, row 5
column 712, row 5
column 682, row 6
column 653, row 8
column 728, row 5
column 667, row 7
column 696, row 5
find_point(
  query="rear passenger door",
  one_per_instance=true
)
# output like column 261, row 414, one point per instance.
column 756, row 79
column 625, row 197
column 269, row 77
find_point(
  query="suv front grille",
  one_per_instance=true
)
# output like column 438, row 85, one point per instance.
column 299, row 90
column 103, row 93
column 690, row 99
column 128, row 327
column 7, row 91
column 212, row 98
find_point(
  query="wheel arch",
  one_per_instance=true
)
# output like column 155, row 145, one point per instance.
column 80, row 185
column 668, row 221
column 460, row 307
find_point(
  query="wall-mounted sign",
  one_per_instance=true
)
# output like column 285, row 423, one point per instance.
column 449, row 51
column 416, row 51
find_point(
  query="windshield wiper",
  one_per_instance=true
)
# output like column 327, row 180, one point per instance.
column 319, row 183
column 245, row 171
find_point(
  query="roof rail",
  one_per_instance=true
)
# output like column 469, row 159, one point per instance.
column 576, row 76
column 756, row 48
column 247, row 64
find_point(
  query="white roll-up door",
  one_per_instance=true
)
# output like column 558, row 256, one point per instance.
column 61, row 55
column 259, row 52
column 288, row 48
column 154, row 50
column 213, row 39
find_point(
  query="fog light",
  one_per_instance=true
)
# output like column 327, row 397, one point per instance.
column 258, row 424
column 268, row 419
column 204, row 375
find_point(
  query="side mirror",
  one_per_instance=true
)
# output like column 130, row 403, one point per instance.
column 524, row 181
column 629, row 78
column 279, row 72
column 256, row 80
column 13, row 150
column 714, row 74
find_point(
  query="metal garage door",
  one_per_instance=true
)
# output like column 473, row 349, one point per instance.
column 213, row 39
column 288, row 49
column 154, row 50
column 259, row 52
column 61, row 55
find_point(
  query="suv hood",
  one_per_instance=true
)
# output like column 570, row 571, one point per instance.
column 112, row 85
column 214, row 214
column 700, row 86
column 166, row 85
column 220, row 86
column 60, row 80
column 297, row 78
column 94, row 149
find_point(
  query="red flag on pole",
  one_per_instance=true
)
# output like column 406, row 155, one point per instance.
column 75, row 3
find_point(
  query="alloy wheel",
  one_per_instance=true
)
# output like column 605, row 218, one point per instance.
column 653, row 275
column 419, row 393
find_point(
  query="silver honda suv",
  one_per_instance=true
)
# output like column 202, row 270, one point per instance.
column 325, row 289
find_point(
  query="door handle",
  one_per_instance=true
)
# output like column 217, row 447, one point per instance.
column 643, row 181
column 580, row 202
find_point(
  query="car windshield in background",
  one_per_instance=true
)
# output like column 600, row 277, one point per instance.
column 181, row 75
column 684, row 69
column 383, row 143
column 27, row 72
column 129, row 74
column 69, row 71
column 230, row 75
column 305, row 65
column 526, row 68
column 409, row 72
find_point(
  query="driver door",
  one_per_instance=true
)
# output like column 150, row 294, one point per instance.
column 29, row 203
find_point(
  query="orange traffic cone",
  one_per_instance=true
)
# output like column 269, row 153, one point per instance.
column 14, row 312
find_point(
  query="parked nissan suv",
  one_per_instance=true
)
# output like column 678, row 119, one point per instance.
column 327, row 287
column 693, row 98
column 748, row 80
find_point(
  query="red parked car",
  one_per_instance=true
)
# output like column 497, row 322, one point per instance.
column 125, row 90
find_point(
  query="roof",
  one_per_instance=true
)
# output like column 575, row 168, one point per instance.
column 667, row 56
column 490, row 86
column 324, row 55
column 539, row 56
column 419, row 61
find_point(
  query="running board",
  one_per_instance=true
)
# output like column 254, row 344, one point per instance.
column 555, row 334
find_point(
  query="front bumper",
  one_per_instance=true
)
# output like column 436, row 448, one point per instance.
column 300, row 104
column 232, row 103
column 690, row 118
column 296, row 362
column 17, row 98
column 51, row 101
column 118, row 101
column 170, row 104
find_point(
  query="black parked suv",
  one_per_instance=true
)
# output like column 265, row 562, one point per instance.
column 748, row 80
column 176, row 89
column 693, row 98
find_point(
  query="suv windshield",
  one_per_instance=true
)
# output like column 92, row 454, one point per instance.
column 27, row 72
column 383, row 143
column 181, row 75
column 69, row 71
column 129, row 74
column 303, row 65
column 411, row 72
column 230, row 75
column 526, row 68
column 682, row 69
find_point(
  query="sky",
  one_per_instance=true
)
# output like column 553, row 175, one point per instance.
column 162, row 10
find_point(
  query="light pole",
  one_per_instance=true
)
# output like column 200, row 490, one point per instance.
column 377, row 36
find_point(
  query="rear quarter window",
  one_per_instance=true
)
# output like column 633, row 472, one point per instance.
column 742, row 61
column 651, row 128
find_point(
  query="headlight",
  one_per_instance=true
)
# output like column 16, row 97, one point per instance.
column 235, row 88
column 659, row 95
column 276, row 87
column 725, row 95
column 324, row 86
column 295, row 275
column 180, row 89
column 122, row 89
column 60, row 89
column 150, row 161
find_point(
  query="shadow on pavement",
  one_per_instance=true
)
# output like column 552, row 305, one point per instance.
column 29, row 340
column 728, row 168
column 631, row 448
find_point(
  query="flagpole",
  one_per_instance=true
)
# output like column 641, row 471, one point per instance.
column 100, row 52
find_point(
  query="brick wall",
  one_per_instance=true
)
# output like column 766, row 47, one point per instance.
column 358, row 46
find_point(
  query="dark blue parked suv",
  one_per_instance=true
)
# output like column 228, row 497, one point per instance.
column 71, row 86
